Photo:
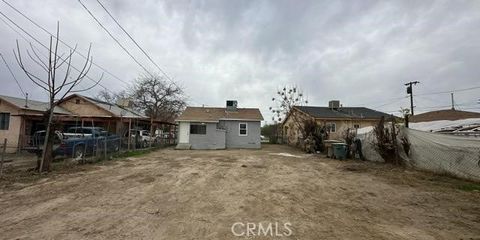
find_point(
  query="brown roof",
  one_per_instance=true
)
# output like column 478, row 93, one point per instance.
column 33, row 105
column 448, row 114
column 210, row 114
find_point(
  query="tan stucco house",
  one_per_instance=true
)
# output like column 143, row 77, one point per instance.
column 335, row 117
column 20, row 118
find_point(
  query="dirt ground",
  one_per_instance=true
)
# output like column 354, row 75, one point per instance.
column 170, row 194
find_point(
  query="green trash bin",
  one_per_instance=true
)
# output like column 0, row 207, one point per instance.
column 339, row 150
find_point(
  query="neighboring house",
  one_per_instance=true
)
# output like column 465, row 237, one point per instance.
column 219, row 128
column 19, row 118
column 448, row 121
column 336, row 118
column 87, row 111
column 448, row 114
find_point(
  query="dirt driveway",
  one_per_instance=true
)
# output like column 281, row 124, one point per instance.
column 171, row 194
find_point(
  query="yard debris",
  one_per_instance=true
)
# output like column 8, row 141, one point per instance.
column 286, row 155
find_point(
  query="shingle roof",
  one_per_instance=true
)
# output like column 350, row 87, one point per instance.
column 211, row 114
column 33, row 105
column 117, row 110
column 344, row 112
column 448, row 114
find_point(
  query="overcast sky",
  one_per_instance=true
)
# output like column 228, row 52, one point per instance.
column 359, row 52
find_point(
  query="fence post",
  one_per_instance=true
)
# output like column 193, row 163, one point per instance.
column 4, row 150
column 105, row 147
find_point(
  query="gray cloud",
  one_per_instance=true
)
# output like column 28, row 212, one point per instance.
column 360, row 52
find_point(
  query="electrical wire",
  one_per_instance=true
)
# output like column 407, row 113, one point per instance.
column 13, row 75
column 444, row 92
column 397, row 100
column 115, row 39
column 61, row 41
column 43, row 45
column 136, row 43
column 368, row 103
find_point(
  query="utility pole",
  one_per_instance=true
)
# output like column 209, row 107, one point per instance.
column 453, row 102
column 410, row 91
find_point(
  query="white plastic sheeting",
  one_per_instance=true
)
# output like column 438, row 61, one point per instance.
column 443, row 124
column 440, row 153
column 459, row 156
column 368, row 140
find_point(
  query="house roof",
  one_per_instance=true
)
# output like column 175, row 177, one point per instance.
column 212, row 114
column 117, row 110
column 114, row 109
column 343, row 112
column 448, row 114
column 32, row 105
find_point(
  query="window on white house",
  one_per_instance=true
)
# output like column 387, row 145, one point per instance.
column 243, row 131
column 332, row 127
column 200, row 129
column 4, row 121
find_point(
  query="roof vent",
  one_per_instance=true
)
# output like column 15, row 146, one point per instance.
column 334, row 104
column 232, row 105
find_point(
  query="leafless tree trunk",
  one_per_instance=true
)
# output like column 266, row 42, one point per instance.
column 159, row 99
column 57, row 89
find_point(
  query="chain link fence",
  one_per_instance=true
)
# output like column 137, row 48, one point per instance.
column 79, row 150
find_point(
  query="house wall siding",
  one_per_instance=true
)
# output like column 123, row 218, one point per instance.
column 343, row 125
column 234, row 140
column 83, row 108
column 292, row 134
column 214, row 139
column 13, row 133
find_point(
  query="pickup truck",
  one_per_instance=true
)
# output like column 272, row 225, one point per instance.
column 76, row 146
column 142, row 137
column 81, row 131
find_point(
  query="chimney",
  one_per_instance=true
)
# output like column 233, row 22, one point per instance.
column 124, row 102
column 334, row 104
column 232, row 105
column 26, row 100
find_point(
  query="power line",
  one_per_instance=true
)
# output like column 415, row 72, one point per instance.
column 43, row 45
column 425, row 94
column 444, row 92
column 131, row 38
column 397, row 100
column 468, row 105
column 64, row 43
column 13, row 75
column 116, row 40
column 368, row 103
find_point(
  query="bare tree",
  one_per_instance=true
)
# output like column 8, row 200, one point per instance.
column 283, row 107
column 112, row 97
column 57, row 87
column 157, row 98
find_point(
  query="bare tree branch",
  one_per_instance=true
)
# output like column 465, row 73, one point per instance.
column 53, row 87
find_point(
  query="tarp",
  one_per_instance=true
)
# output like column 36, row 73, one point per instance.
column 435, row 152
column 368, row 140
column 443, row 124
column 440, row 153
